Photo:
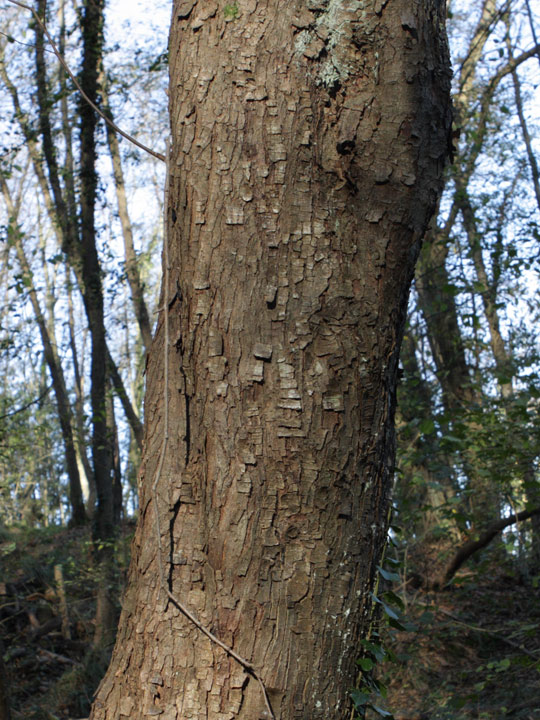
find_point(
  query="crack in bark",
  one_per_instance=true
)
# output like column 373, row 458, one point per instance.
column 243, row 695
column 172, row 521
column 187, row 436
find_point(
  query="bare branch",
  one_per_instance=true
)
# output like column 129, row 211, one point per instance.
column 472, row 546
column 66, row 67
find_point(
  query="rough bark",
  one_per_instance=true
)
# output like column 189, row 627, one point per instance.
column 307, row 152
column 92, row 41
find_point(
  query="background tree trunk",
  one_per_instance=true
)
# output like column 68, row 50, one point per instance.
column 307, row 152
column 50, row 354
column 5, row 712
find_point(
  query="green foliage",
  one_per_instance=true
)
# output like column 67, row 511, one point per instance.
column 29, row 480
column 376, row 648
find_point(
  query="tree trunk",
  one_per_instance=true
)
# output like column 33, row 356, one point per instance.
column 63, row 222
column 426, row 481
column 132, row 263
column 444, row 335
column 5, row 712
column 104, row 528
column 85, row 468
column 307, row 151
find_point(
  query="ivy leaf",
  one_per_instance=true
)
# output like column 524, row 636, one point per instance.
column 378, row 652
column 366, row 664
column 395, row 599
column 359, row 698
column 381, row 712
column 392, row 614
column 388, row 574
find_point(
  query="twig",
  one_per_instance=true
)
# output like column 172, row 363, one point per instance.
column 55, row 656
column 533, row 703
column 25, row 407
column 248, row 667
column 494, row 634
column 11, row 39
column 472, row 545
column 66, row 67
column 61, row 592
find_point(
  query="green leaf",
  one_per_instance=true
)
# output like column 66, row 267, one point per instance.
column 366, row 664
column 452, row 439
column 427, row 427
column 381, row 712
column 456, row 702
column 8, row 548
column 404, row 627
column 388, row 574
column 392, row 614
column 382, row 690
column 395, row 599
column 377, row 651
column 359, row 698
column 230, row 11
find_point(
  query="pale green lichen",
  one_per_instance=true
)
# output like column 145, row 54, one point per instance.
column 336, row 23
column 231, row 11
column 334, row 20
column 302, row 41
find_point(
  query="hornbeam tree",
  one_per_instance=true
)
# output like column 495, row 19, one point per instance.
column 308, row 140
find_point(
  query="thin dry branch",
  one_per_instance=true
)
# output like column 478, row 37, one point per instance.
column 493, row 633
column 66, row 67
column 531, row 25
column 533, row 164
column 21, row 409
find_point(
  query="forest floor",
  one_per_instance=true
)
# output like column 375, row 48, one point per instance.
column 50, row 667
column 472, row 651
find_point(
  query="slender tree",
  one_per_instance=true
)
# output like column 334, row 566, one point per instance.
column 50, row 352
column 460, row 396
